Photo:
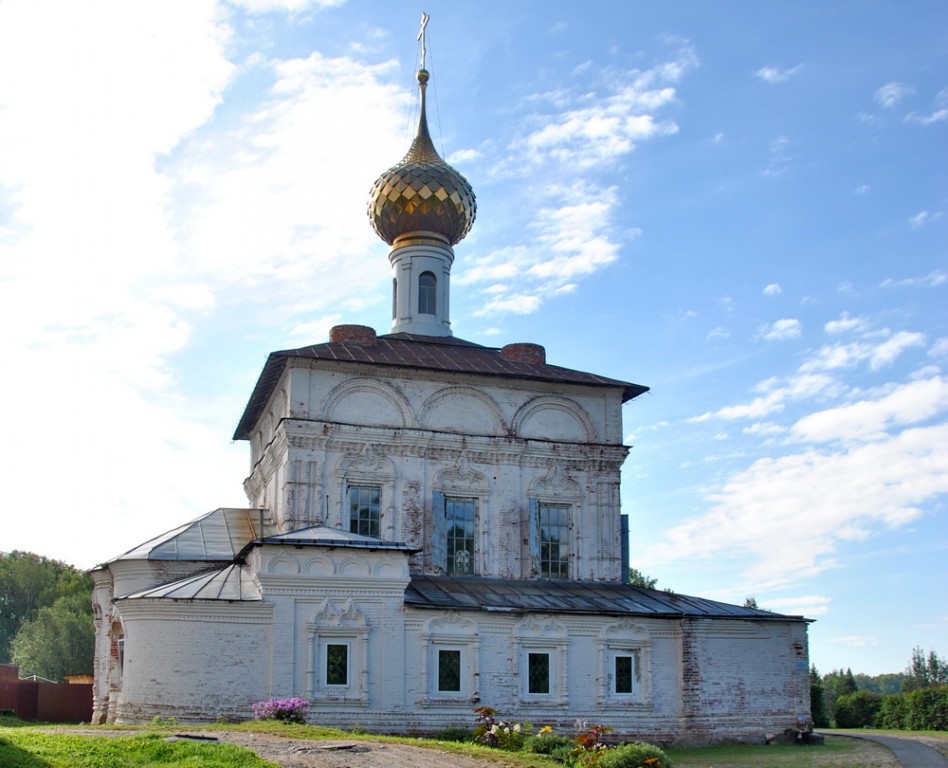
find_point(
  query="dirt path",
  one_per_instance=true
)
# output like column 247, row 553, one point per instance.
column 305, row 753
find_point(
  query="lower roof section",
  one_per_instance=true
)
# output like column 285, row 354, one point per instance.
column 473, row 593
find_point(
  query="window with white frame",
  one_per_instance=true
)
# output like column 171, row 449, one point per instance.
column 364, row 510
column 449, row 670
column 427, row 294
column 538, row 672
column 336, row 663
column 552, row 527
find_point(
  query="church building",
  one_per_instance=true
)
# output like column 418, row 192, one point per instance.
column 432, row 525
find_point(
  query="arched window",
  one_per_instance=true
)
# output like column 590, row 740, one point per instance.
column 427, row 294
column 394, row 298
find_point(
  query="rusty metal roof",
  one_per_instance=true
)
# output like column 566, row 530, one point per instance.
column 217, row 535
column 429, row 353
column 578, row 597
column 233, row 583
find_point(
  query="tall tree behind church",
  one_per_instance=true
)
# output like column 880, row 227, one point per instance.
column 30, row 582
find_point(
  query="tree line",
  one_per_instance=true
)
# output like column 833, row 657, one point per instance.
column 46, row 621
column 916, row 699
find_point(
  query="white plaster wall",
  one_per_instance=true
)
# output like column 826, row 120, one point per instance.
column 411, row 430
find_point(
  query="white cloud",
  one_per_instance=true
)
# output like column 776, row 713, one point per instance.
column 776, row 74
column 871, row 419
column 801, row 605
column 780, row 330
column 855, row 641
column 266, row 6
column 922, row 218
column 862, row 189
column 939, row 348
column 594, row 132
column 890, row 94
column 931, row 280
column 870, row 487
column 773, row 289
column 775, row 396
column 879, row 354
column 573, row 237
column 780, row 157
column 845, row 324
column 938, row 116
column 765, row 428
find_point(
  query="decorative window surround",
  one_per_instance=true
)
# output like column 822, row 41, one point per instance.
column 542, row 635
column 625, row 643
column 337, row 625
column 452, row 632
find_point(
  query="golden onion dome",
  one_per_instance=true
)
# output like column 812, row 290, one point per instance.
column 422, row 193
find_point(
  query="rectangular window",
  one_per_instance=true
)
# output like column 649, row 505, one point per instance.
column 553, row 527
column 337, row 664
column 538, row 673
column 364, row 510
column 623, row 678
column 460, row 516
column 449, row 671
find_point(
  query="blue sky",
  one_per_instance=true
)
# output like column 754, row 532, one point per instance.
column 740, row 205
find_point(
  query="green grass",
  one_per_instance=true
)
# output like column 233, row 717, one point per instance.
column 29, row 748
column 837, row 752
column 25, row 746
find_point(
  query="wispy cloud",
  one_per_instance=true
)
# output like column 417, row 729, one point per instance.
column 773, row 289
column 879, row 354
column 778, row 75
column 931, row 280
column 890, row 94
column 922, row 218
column 845, row 324
column 780, row 330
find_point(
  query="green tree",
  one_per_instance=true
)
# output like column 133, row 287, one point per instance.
column 29, row 582
column 639, row 579
column 818, row 711
column 60, row 641
column 924, row 671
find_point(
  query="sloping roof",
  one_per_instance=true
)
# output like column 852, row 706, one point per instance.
column 421, row 353
column 217, row 535
column 323, row 536
column 579, row 597
column 231, row 583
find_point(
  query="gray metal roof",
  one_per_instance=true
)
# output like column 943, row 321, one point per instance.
column 218, row 535
column 578, row 597
column 324, row 536
column 232, row 583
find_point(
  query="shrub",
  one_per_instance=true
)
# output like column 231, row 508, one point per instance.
column 638, row 755
column 546, row 743
column 858, row 710
column 455, row 733
column 285, row 710
column 927, row 709
column 894, row 711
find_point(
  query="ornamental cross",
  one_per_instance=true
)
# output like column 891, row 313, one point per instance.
column 421, row 37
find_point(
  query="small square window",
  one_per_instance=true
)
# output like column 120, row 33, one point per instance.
column 337, row 664
column 449, row 671
column 538, row 673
